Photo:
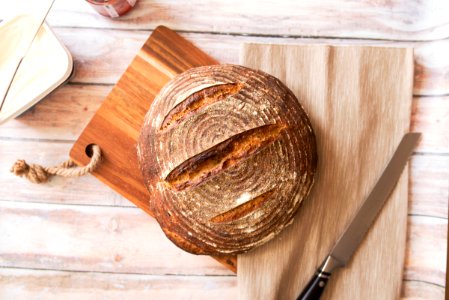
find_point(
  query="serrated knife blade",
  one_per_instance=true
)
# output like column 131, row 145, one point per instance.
column 350, row 240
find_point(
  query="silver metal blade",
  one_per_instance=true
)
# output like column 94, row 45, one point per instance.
column 353, row 236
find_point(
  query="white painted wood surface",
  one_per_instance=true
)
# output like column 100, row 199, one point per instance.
column 102, row 48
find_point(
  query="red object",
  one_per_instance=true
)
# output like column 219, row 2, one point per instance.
column 112, row 8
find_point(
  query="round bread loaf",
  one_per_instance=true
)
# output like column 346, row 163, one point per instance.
column 227, row 154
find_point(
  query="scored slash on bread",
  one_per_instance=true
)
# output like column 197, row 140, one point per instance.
column 199, row 168
column 199, row 100
column 228, row 155
column 243, row 209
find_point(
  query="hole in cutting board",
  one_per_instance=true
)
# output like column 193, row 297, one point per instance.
column 89, row 151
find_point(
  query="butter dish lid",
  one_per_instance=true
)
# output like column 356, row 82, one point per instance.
column 47, row 65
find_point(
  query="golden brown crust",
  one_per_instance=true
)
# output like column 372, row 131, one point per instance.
column 222, row 156
column 197, row 101
column 228, row 154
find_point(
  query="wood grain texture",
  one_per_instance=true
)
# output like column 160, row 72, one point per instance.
column 122, row 240
column 428, row 191
column 426, row 262
column 356, row 138
column 61, row 116
column 92, row 238
column 25, row 284
column 102, row 58
column 397, row 20
column 41, row 284
column 64, row 114
column 102, row 54
column 81, row 191
column 428, row 178
column 116, row 124
column 429, row 186
column 415, row 290
column 432, row 68
column 432, row 115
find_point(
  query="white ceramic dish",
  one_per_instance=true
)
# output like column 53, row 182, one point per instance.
column 46, row 66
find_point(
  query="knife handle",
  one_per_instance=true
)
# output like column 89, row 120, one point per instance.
column 315, row 287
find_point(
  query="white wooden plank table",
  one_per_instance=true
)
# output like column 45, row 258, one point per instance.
column 76, row 238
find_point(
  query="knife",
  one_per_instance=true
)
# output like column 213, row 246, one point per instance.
column 358, row 227
column 24, row 51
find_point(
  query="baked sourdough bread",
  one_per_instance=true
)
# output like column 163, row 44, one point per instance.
column 227, row 154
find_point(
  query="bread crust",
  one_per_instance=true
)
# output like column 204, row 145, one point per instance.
column 228, row 154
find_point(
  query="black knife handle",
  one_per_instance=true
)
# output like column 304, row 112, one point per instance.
column 315, row 287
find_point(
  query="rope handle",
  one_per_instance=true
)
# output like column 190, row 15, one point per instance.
column 39, row 174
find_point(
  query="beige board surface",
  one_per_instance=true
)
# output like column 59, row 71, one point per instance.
column 359, row 102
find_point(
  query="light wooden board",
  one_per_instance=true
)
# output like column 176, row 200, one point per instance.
column 92, row 238
column 107, row 62
column 414, row 290
column 102, row 54
column 67, row 111
column 360, row 109
column 49, row 284
column 425, row 264
column 75, row 104
column 56, row 285
column 116, row 124
column 428, row 193
column 398, row 20
column 122, row 241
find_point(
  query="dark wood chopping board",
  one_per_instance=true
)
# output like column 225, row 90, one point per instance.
column 116, row 125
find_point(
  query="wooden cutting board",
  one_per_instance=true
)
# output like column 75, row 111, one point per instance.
column 116, row 125
column 359, row 102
